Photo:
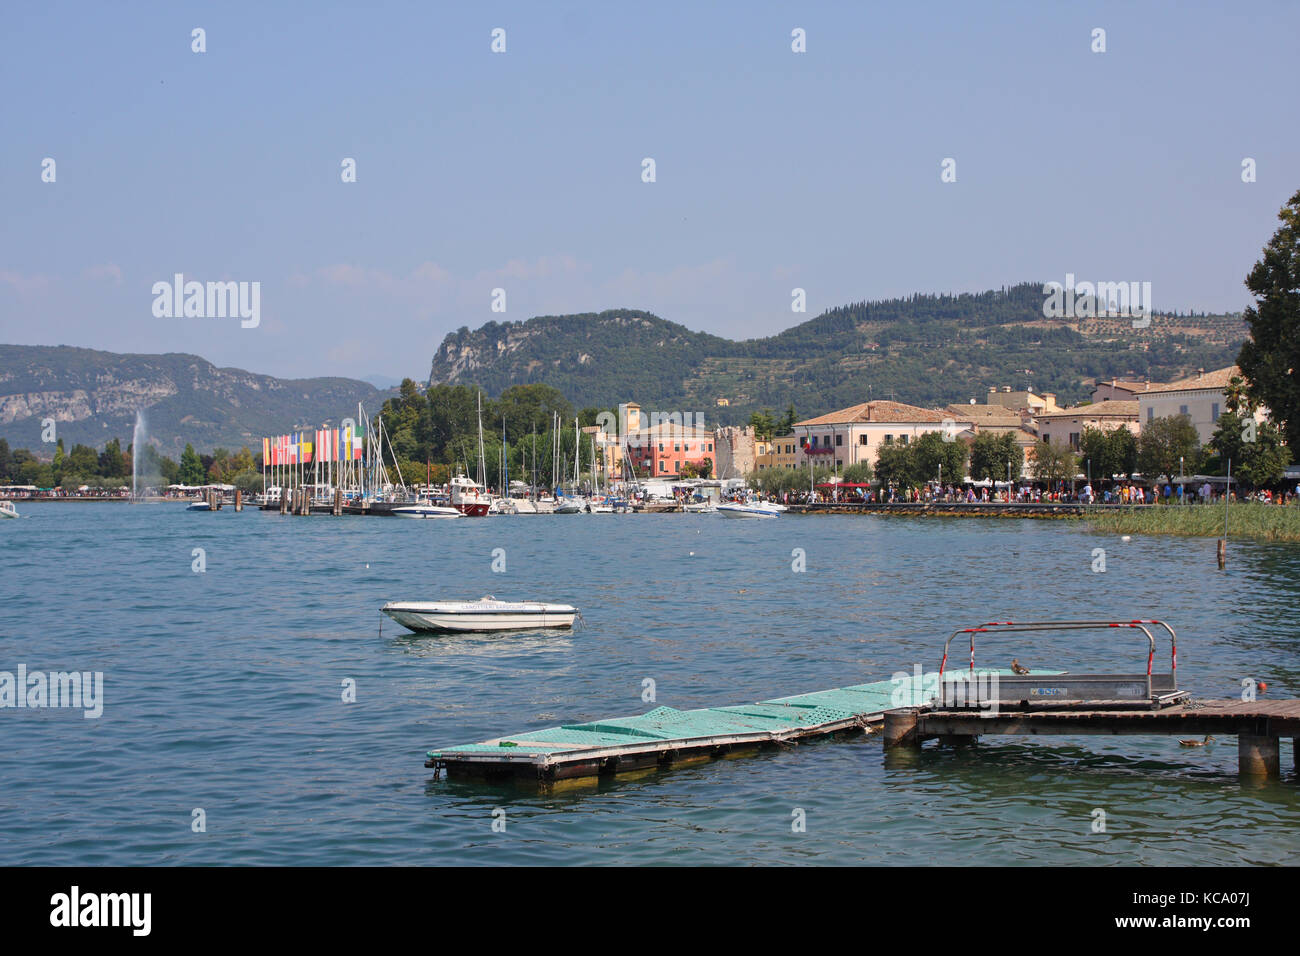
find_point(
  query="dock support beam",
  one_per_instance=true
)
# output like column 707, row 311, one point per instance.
column 1258, row 756
column 900, row 729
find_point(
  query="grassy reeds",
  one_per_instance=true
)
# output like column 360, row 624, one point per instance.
column 1259, row 522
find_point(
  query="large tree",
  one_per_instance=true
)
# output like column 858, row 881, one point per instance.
column 1255, row 450
column 992, row 452
column 1272, row 353
column 1166, row 444
column 937, row 456
column 1107, row 452
column 1054, row 461
column 896, row 465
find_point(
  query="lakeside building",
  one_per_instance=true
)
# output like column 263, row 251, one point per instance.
column 738, row 450
column 1022, row 400
column 1202, row 398
column 784, row 451
column 659, row 450
column 856, row 434
column 999, row 419
column 1119, row 390
column 1068, row 424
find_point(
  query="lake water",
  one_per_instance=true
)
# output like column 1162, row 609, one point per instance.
column 223, row 689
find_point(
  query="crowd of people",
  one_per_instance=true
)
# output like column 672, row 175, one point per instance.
column 1127, row 493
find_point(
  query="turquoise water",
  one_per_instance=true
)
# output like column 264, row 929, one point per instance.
column 222, row 689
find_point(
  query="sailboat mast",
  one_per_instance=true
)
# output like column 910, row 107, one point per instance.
column 482, row 454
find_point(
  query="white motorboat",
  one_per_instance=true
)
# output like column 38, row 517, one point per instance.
column 751, row 509
column 570, row 505
column 7, row 510
column 198, row 506
column 700, row 508
column 485, row 614
column 425, row 510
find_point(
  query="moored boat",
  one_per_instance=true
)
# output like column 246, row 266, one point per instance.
column 426, row 510
column 468, row 497
column 485, row 614
column 7, row 510
column 751, row 509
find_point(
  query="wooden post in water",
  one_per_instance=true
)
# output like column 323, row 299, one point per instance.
column 284, row 499
column 900, row 728
column 1223, row 543
column 1258, row 756
column 239, row 499
column 338, row 502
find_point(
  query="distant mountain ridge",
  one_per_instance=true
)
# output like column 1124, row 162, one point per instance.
column 93, row 397
column 926, row 350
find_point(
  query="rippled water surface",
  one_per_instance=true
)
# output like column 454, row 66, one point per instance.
column 223, row 689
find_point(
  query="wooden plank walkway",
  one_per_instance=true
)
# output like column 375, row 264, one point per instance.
column 1257, row 725
column 664, row 736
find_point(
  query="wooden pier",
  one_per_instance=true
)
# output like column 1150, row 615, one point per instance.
column 664, row 736
column 1258, row 725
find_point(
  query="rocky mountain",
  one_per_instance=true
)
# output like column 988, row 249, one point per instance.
column 93, row 397
column 926, row 350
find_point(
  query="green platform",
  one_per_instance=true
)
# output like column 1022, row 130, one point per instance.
column 659, row 735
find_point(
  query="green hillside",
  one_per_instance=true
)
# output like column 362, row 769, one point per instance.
column 925, row 349
column 93, row 397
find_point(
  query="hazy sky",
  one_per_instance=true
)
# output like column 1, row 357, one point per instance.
column 523, row 170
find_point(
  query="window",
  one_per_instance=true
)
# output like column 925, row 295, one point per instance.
column 1182, row 409
column 902, row 439
column 677, row 446
column 710, row 446
column 1074, row 440
column 1151, row 414
column 663, row 466
column 839, row 441
column 661, row 446
column 862, row 440
column 838, row 463
column 1214, row 411
column 889, row 439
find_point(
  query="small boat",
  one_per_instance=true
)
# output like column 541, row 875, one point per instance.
column 7, row 510
column 485, row 614
column 426, row 510
column 570, row 505
column 198, row 506
column 469, row 497
column 751, row 509
column 700, row 508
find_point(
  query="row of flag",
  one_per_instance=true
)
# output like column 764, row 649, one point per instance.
column 303, row 448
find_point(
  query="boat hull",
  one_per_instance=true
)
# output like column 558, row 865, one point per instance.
column 426, row 511
column 745, row 511
column 432, row 618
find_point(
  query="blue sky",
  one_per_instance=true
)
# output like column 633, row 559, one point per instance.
column 522, row 170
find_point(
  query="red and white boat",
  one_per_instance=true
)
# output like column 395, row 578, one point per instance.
column 469, row 498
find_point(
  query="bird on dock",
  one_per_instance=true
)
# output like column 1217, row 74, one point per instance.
column 1195, row 743
column 1017, row 667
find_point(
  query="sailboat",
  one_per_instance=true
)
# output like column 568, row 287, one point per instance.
column 575, row 503
column 472, row 498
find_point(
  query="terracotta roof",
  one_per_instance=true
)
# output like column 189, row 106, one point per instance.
column 1218, row 379
column 879, row 411
column 1134, row 387
column 985, row 414
column 1095, row 410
